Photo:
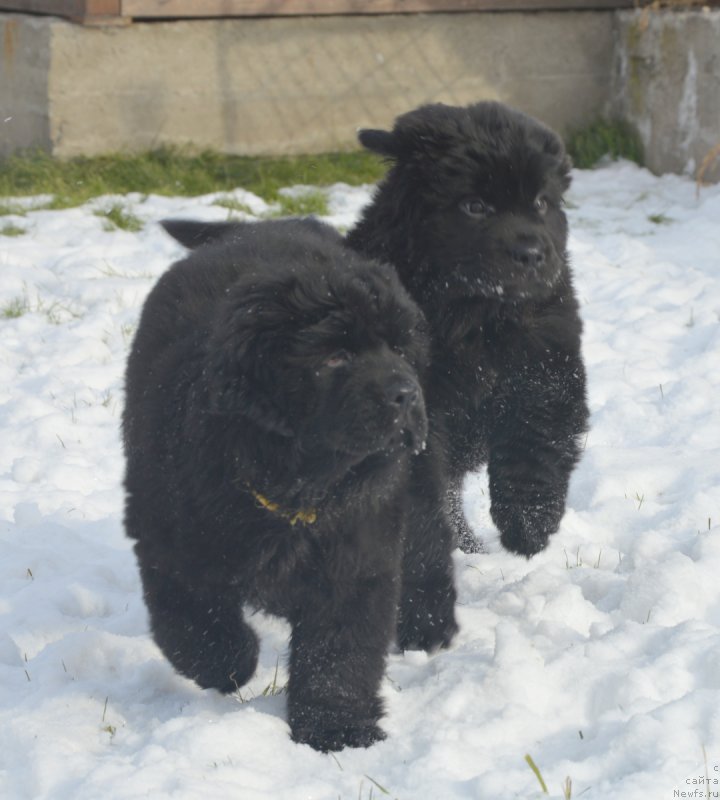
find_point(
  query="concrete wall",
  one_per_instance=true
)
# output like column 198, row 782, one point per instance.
column 288, row 85
column 667, row 83
column 24, row 72
column 303, row 85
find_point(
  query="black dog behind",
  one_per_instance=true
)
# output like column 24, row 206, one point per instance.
column 273, row 408
column 470, row 214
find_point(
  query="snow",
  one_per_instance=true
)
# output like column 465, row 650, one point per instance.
column 600, row 657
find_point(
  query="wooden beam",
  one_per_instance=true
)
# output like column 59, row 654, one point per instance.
column 60, row 8
column 93, row 12
column 281, row 8
column 108, row 12
column 104, row 12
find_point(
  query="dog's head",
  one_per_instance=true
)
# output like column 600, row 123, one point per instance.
column 324, row 349
column 477, row 193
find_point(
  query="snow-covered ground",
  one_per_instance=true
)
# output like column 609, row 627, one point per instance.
column 600, row 657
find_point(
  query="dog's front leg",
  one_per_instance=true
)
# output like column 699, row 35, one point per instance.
column 200, row 628
column 534, row 446
column 337, row 660
column 426, row 618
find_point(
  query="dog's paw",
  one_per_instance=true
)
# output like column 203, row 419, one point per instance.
column 429, row 638
column 326, row 739
column 526, row 530
column 225, row 675
column 330, row 727
column 422, row 627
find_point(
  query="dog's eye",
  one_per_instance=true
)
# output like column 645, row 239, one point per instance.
column 540, row 204
column 475, row 207
column 338, row 359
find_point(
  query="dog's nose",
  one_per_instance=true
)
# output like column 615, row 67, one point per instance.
column 528, row 255
column 402, row 393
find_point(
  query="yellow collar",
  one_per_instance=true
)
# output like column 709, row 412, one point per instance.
column 307, row 515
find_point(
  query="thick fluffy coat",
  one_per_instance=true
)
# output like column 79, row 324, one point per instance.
column 470, row 213
column 273, row 408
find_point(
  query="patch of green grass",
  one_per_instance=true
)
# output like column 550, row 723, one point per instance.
column 57, row 313
column 173, row 172
column 271, row 690
column 233, row 205
column 274, row 688
column 11, row 230
column 15, row 308
column 8, row 209
column 127, row 332
column 118, row 217
column 302, row 205
column 659, row 219
column 614, row 138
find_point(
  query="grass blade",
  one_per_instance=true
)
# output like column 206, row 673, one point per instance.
column 533, row 766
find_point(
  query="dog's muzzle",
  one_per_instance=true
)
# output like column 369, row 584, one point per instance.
column 405, row 397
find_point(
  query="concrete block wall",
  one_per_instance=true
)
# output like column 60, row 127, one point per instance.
column 25, row 65
column 667, row 83
column 274, row 86
column 304, row 85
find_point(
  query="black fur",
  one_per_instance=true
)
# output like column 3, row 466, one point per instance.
column 470, row 214
column 273, row 379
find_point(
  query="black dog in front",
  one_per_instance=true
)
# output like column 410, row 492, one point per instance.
column 470, row 214
column 273, row 408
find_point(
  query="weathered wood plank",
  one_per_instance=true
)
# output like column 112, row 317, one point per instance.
column 114, row 11
column 61, row 8
column 271, row 8
column 87, row 11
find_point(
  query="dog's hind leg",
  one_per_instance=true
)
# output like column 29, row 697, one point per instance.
column 200, row 630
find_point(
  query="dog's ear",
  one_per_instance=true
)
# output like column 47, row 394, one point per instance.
column 384, row 143
column 426, row 132
column 553, row 146
column 242, row 361
column 193, row 234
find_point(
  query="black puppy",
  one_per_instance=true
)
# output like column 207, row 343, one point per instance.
column 470, row 214
column 273, row 407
